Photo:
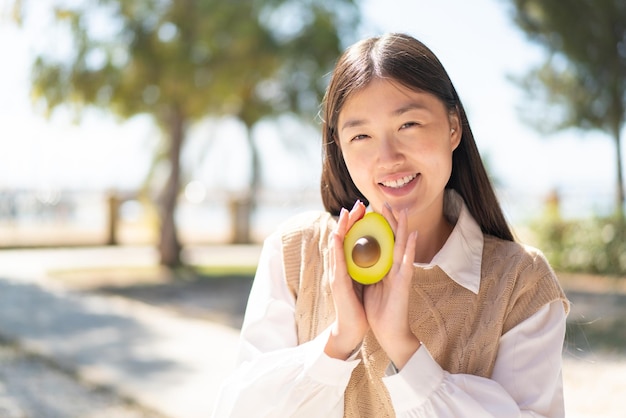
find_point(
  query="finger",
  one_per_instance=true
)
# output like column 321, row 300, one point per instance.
column 356, row 213
column 406, row 267
column 338, row 237
column 345, row 222
column 336, row 246
column 342, row 223
column 401, row 239
column 358, row 290
column 391, row 218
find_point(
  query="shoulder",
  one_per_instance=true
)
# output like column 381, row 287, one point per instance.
column 304, row 241
column 514, row 255
column 306, row 224
column 527, row 272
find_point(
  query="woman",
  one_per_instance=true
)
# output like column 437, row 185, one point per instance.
column 466, row 323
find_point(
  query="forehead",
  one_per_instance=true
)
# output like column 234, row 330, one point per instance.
column 387, row 96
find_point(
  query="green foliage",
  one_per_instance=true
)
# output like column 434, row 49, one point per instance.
column 584, row 74
column 245, row 58
column 595, row 245
column 152, row 57
column 582, row 82
column 183, row 60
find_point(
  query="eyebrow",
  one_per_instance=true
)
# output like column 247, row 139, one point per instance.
column 352, row 123
column 409, row 107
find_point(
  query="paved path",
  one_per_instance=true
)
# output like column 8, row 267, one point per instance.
column 31, row 386
column 594, row 387
column 167, row 362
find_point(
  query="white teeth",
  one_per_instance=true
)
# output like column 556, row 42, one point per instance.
column 400, row 182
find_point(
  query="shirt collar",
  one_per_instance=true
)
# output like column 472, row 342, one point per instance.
column 461, row 255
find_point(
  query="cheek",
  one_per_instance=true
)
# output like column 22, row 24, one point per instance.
column 443, row 164
column 358, row 170
column 438, row 152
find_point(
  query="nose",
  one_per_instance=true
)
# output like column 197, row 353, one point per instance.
column 389, row 152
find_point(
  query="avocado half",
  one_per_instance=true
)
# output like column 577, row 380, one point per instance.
column 368, row 248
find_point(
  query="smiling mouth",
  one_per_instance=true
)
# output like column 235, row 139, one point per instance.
column 396, row 184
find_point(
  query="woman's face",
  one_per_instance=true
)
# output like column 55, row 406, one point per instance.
column 397, row 144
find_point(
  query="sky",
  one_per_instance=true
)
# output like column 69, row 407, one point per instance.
column 476, row 41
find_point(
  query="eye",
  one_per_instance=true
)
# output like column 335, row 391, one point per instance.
column 359, row 137
column 409, row 125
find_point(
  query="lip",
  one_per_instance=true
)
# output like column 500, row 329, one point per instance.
column 399, row 191
column 398, row 180
column 396, row 176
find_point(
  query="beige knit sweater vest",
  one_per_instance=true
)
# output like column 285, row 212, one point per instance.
column 460, row 329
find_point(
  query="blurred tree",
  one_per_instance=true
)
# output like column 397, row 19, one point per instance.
column 180, row 61
column 307, row 39
column 582, row 83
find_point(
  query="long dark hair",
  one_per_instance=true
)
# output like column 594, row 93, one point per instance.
column 408, row 61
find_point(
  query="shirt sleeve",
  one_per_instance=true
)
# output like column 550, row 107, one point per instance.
column 526, row 380
column 276, row 377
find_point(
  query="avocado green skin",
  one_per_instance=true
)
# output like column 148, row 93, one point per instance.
column 375, row 225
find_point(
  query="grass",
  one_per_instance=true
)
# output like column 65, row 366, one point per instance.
column 221, row 271
column 120, row 276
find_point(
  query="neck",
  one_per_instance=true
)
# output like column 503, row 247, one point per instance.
column 431, row 238
column 433, row 230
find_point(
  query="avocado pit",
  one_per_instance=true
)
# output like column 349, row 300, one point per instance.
column 366, row 251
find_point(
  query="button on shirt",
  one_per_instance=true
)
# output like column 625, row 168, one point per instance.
column 276, row 377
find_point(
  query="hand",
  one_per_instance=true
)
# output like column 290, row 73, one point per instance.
column 387, row 302
column 350, row 324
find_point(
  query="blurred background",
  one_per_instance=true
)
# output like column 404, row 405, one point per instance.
column 136, row 122
column 147, row 147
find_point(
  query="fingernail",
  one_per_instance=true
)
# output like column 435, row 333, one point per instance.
column 388, row 206
column 356, row 204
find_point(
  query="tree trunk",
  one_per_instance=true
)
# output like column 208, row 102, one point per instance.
column 240, row 217
column 619, row 196
column 169, row 244
column 242, row 208
column 113, row 207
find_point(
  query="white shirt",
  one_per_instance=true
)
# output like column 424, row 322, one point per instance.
column 278, row 378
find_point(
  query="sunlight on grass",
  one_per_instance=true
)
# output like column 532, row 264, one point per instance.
column 220, row 271
column 117, row 276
